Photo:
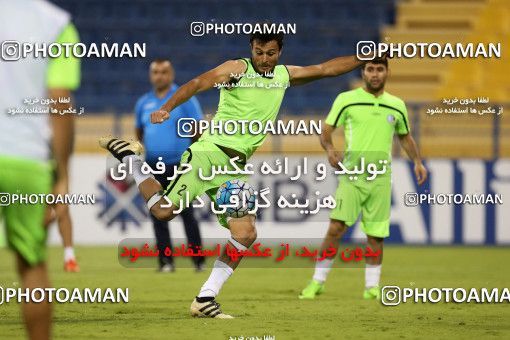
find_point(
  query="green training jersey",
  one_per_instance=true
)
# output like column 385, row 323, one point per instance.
column 253, row 97
column 369, row 125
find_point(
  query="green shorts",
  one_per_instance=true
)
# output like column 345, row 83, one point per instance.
column 202, row 155
column 372, row 200
column 25, row 231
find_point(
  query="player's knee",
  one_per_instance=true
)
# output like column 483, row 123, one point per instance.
column 62, row 209
column 334, row 233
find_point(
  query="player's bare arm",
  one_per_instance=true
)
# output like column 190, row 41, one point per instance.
column 300, row 75
column 327, row 144
column 409, row 146
column 199, row 84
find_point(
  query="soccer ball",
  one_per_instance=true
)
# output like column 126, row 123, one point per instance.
column 239, row 193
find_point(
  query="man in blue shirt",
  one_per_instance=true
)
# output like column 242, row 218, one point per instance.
column 162, row 141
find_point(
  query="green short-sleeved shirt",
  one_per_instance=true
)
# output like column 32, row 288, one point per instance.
column 369, row 124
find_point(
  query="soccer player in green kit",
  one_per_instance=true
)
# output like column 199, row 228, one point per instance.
column 370, row 117
column 255, row 90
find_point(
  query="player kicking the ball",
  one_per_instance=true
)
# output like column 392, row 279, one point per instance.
column 370, row 117
column 253, row 90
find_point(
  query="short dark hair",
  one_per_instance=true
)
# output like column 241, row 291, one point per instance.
column 267, row 37
column 383, row 61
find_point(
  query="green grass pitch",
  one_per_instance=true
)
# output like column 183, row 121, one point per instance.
column 264, row 300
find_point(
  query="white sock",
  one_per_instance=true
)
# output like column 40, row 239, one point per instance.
column 68, row 254
column 372, row 275
column 137, row 163
column 219, row 275
column 322, row 269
